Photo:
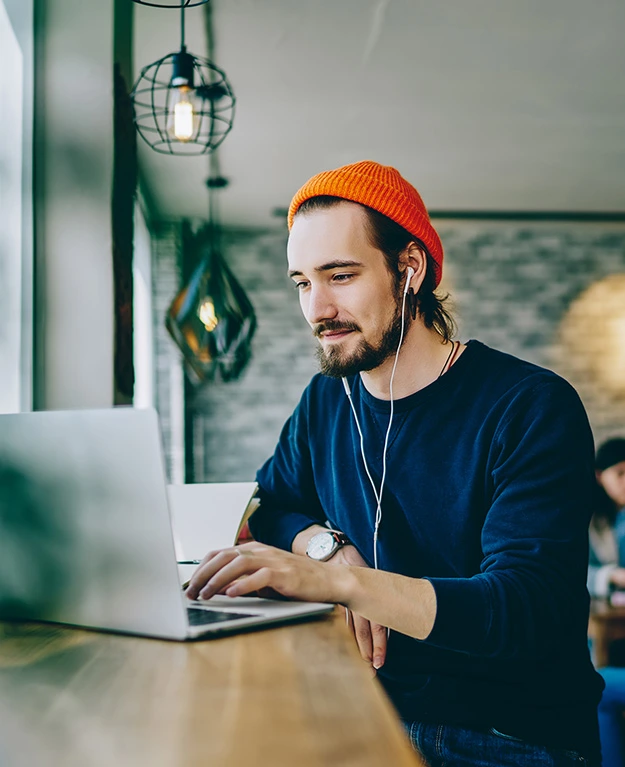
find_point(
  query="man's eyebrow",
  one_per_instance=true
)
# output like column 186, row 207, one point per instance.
column 337, row 264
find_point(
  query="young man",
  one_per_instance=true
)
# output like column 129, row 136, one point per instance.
column 438, row 490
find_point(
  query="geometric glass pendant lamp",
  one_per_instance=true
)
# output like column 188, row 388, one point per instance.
column 183, row 104
column 211, row 319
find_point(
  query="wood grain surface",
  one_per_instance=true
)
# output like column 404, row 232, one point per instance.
column 297, row 695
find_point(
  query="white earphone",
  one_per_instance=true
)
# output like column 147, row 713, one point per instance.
column 409, row 276
column 378, row 495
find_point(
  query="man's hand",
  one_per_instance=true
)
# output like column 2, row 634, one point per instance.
column 370, row 637
column 253, row 567
column 407, row 605
column 617, row 577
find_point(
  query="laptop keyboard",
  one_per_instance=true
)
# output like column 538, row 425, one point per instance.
column 198, row 616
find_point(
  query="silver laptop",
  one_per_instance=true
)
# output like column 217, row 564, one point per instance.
column 85, row 531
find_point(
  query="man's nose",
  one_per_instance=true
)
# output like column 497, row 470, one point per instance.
column 319, row 306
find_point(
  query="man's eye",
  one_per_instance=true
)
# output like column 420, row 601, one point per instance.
column 301, row 285
column 342, row 277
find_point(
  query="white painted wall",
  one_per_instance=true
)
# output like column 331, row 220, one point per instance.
column 74, row 152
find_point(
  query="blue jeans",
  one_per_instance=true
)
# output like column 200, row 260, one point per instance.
column 611, row 710
column 447, row 746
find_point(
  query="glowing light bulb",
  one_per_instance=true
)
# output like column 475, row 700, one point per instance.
column 183, row 120
column 207, row 315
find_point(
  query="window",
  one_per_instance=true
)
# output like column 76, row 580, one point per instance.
column 11, row 88
column 16, row 238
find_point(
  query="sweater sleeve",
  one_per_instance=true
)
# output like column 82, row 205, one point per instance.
column 288, row 498
column 532, row 579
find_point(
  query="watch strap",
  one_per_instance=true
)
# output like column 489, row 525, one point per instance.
column 340, row 538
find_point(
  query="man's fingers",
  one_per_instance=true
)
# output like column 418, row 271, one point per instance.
column 371, row 638
column 244, row 548
column 257, row 581
column 362, row 632
column 379, row 638
column 222, row 569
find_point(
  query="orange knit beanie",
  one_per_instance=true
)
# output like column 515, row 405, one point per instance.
column 382, row 188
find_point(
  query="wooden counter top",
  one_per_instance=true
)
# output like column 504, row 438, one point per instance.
column 296, row 696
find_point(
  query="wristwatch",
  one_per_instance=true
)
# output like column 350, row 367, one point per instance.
column 324, row 545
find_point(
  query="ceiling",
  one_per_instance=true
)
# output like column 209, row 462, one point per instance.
column 490, row 105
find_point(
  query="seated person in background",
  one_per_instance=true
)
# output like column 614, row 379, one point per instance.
column 607, row 528
column 606, row 572
column 457, row 482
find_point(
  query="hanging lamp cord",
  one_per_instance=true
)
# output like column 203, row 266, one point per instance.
column 182, row 7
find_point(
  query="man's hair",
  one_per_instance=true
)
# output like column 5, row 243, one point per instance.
column 392, row 239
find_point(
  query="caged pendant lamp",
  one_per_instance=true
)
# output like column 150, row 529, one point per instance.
column 183, row 104
column 172, row 3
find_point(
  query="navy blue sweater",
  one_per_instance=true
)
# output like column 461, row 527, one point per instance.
column 488, row 496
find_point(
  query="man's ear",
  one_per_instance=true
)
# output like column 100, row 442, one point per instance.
column 415, row 257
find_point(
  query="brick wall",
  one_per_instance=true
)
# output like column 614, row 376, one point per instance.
column 515, row 287
column 241, row 421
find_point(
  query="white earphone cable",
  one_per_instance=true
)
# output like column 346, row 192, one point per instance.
column 362, row 440
column 378, row 495
column 378, row 512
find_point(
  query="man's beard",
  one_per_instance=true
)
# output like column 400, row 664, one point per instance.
column 337, row 364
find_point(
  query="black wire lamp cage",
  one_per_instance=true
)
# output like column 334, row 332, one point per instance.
column 183, row 104
column 172, row 3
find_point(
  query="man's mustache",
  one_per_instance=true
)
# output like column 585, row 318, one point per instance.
column 333, row 326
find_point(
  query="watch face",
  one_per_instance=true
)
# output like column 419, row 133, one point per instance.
column 321, row 545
